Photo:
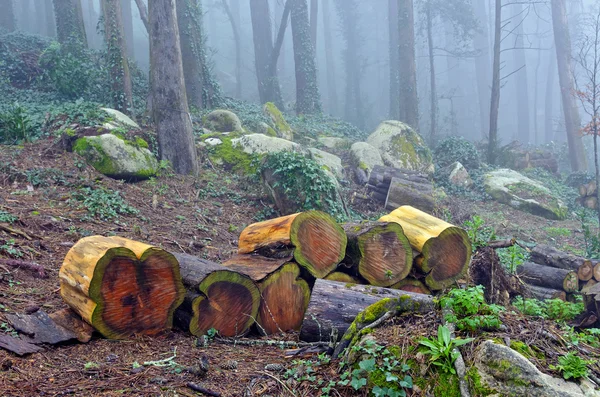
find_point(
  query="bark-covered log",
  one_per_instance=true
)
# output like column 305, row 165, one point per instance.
column 412, row 285
column 417, row 195
column 284, row 295
column 542, row 293
column 549, row 277
column 335, row 305
column 549, row 256
column 121, row 287
column 445, row 249
column 380, row 252
column 319, row 243
column 217, row 297
column 382, row 174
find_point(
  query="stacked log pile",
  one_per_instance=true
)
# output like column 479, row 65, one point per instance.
column 395, row 187
column 536, row 159
column 588, row 195
column 555, row 274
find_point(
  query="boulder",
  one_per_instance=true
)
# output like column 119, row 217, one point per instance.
column 222, row 121
column 117, row 158
column 262, row 144
column 213, row 141
column 366, row 157
column 401, row 147
column 332, row 142
column 518, row 191
column 282, row 128
column 457, row 175
column 330, row 161
column 507, row 373
column 119, row 120
column 265, row 129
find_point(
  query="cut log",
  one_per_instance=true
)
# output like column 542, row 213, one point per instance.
column 445, row 249
column 402, row 192
column 590, row 202
column 412, row 285
column 589, row 284
column 383, row 175
column 217, row 297
column 596, row 271
column 380, row 252
column 284, row 295
column 342, row 277
column 319, row 242
column 70, row 320
column 121, row 287
column 549, row 256
column 585, row 272
column 549, row 277
column 335, row 305
column 542, row 293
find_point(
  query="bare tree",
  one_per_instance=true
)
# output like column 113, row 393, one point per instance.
column 482, row 65
column 308, row 100
column 235, row 28
column 314, row 18
column 521, row 79
column 50, row 21
column 7, row 16
column 495, row 102
column 549, row 103
column 332, row 96
column 143, row 10
column 562, row 41
column 409, row 101
column 394, row 41
column 127, row 16
column 170, row 107
column 120, row 77
column 434, row 103
column 69, row 21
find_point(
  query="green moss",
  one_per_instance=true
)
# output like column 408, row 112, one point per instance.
column 363, row 166
column 521, row 348
column 509, row 371
column 271, row 132
column 350, row 285
column 476, row 387
column 139, row 142
column 233, row 157
column 277, row 117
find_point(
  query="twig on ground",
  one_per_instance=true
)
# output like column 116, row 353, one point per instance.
column 200, row 389
column 19, row 264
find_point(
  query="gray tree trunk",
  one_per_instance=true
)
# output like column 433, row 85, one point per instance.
column 170, row 107
column 308, row 100
column 495, row 102
column 434, row 99
column 314, row 17
column 409, row 101
column 482, row 66
column 562, row 41
column 7, row 16
column 332, row 96
column 69, row 21
column 549, row 105
column 120, row 78
column 127, row 16
column 521, row 79
column 394, row 36
column 189, row 21
column 50, row 20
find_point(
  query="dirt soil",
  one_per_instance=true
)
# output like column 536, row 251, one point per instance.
column 203, row 217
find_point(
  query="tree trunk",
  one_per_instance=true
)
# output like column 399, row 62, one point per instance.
column 127, row 15
column 268, row 83
column 521, row 80
column 412, row 285
column 170, row 107
column 69, row 21
column 597, row 271
column 236, row 17
column 394, row 41
column 409, row 101
column 284, row 295
column 549, row 277
column 7, row 16
column 495, row 103
column 91, row 21
column 549, row 104
column 308, row 100
column 445, row 250
column 121, row 287
column 314, row 18
column 549, row 256
column 50, row 20
column 562, row 41
column 332, row 96
column 238, row 48
column 143, row 10
column 433, row 93
column 334, row 306
column 319, row 243
column 120, row 78
column 542, row 293
column 40, row 18
column 482, row 65
column 217, row 297
column 379, row 252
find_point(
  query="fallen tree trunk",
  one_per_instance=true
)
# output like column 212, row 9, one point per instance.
column 380, row 252
column 383, row 175
column 217, row 297
column 318, row 242
column 542, row 293
column 121, row 287
column 549, row 277
column 445, row 250
column 549, row 256
column 284, row 295
column 402, row 192
column 412, row 285
column 334, row 306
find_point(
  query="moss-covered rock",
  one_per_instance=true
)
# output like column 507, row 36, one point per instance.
column 117, row 158
column 329, row 161
column 365, row 156
column 401, row 147
column 333, row 142
column 262, row 144
column 119, row 120
column 282, row 128
column 221, row 120
column 518, row 191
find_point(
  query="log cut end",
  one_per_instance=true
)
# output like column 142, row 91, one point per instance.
column 446, row 258
column 228, row 302
column 412, row 285
column 284, row 299
column 320, row 243
column 342, row 277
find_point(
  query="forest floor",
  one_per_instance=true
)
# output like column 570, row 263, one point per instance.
column 50, row 193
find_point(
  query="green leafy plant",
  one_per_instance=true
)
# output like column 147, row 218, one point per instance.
column 7, row 217
column 469, row 311
column 102, row 203
column 552, row 309
column 442, row 349
column 556, row 232
column 591, row 240
column 478, row 233
column 512, row 257
column 9, row 247
column 15, row 125
column 455, row 148
column 572, row 366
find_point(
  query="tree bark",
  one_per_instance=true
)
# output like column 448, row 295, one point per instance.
column 314, row 18
column 550, row 256
column 403, row 192
column 308, row 100
column 120, row 78
column 69, row 21
column 562, row 42
column 332, row 97
column 234, row 9
column 482, row 65
column 549, row 104
column 268, row 83
column 50, row 20
column 127, row 16
column 143, row 10
column 238, row 48
column 409, row 101
column 542, row 293
column 394, row 42
column 495, row 102
column 549, row 277
column 170, row 107
column 7, row 16
column 521, row 80
column 433, row 91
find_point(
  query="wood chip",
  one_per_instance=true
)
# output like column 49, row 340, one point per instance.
column 40, row 328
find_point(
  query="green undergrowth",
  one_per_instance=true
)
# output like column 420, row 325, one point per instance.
column 551, row 309
column 469, row 311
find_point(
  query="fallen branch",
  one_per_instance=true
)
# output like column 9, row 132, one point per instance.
column 502, row 243
column 18, row 264
column 203, row 390
column 15, row 231
column 270, row 342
